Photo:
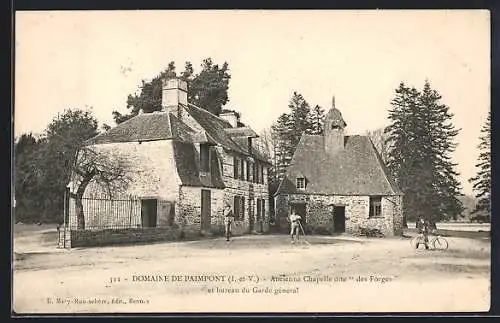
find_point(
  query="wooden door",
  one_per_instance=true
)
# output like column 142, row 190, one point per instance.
column 149, row 212
column 206, row 210
column 339, row 219
column 300, row 209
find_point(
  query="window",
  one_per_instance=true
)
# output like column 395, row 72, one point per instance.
column 375, row 206
column 236, row 164
column 254, row 172
column 242, row 169
column 259, row 209
column 249, row 167
column 301, row 183
column 261, row 174
column 257, row 174
column 204, row 158
column 239, row 207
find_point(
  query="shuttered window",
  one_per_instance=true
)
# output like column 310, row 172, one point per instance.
column 204, row 158
column 236, row 164
column 249, row 167
column 239, row 207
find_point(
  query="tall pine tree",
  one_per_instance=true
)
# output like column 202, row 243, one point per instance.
column 482, row 181
column 290, row 127
column 441, row 133
column 316, row 121
column 420, row 139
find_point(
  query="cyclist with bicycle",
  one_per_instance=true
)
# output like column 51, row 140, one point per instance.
column 424, row 228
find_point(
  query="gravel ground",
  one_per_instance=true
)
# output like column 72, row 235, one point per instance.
column 251, row 274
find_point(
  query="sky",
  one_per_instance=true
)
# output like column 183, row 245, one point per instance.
column 94, row 59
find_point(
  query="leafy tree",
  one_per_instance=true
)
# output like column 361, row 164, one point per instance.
column 44, row 166
column 27, row 176
column 109, row 171
column 482, row 181
column 207, row 89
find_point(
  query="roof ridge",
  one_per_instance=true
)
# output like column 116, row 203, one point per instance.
column 243, row 150
column 206, row 111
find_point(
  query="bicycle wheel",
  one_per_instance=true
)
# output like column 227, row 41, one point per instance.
column 440, row 243
column 415, row 241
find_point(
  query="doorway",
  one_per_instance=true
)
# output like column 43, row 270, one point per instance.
column 206, row 210
column 149, row 212
column 339, row 219
column 300, row 209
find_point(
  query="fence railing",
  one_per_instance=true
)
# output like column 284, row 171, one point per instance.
column 102, row 213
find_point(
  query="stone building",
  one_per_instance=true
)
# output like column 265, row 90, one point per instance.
column 339, row 183
column 185, row 165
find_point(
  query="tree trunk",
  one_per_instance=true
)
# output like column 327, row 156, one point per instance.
column 80, row 216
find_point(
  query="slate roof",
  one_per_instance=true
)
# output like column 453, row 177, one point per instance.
column 336, row 118
column 257, row 154
column 164, row 125
column 355, row 170
column 143, row 127
column 188, row 170
column 219, row 131
column 241, row 131
column 146, row 127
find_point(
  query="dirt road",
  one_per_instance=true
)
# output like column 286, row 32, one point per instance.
column 254, row 273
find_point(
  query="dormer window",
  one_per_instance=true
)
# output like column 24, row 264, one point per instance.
column 301, row 183
column 204, row 158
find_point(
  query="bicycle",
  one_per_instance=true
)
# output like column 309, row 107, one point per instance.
column 436, row 242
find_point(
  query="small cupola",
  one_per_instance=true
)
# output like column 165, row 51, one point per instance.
column 334, row 129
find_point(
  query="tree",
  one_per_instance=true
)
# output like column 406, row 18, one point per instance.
column 27, row 178
column 208, row 89
column 289, row 129
column 482, row 181
column 283, row 150
column 109, row 171
column 442, row 143
column 419, row 140
column 378, row 137
column 316, row 120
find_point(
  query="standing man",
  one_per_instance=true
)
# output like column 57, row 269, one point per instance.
column 228, row 220
column 423, row 229
column 294, row 225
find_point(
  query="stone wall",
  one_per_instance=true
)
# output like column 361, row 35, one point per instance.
column 250, row 191
column 150, row 167
column 189, row 215
column 319, row 216
column 90, row 238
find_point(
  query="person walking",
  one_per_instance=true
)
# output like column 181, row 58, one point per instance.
column 294, row 225
column 228, row 220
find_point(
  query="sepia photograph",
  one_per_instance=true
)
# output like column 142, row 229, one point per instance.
column 251, row 161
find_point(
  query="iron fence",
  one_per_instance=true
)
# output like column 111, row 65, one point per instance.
column 104, row 213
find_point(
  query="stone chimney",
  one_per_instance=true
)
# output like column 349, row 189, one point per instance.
column 174, row 93
column 230, row 116
column 334, row 130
